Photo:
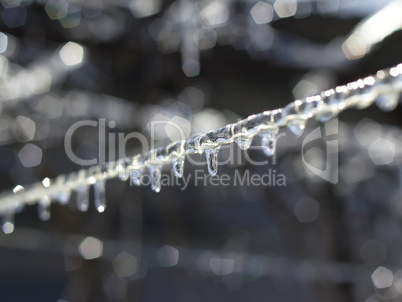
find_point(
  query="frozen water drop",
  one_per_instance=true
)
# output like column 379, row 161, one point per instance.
column 155, row 172
column 8, row 222
column 296, row 127
column 387, row 101
column 100, row 195
column 365, row 97
column 336, row 100
column 398, row 82
column 63, row 196
column 44, row 208
column 178, row 167
column 212, row 161
column 83, row 198
column 269, row 142
column 135, row 177
column 244, row 142
column 325, row 115
column 123, row 176
column 123, row 170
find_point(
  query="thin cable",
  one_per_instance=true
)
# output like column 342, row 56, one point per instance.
column 383, row 88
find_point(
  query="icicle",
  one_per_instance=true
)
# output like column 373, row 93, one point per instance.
column 329, row 107
column 337, row 100
column 135, row 177
column 44, row 208
column 63, row 197
column 155, row 172
column 178, row 167
column 387, row 101
column 297, row 126
column 244, row 142
column 99, row 195
column 212, row 161
column 8, row 222
column 244, row 131
column 325, row 115
column 269, row 142
column 398, row 82
column 123, row 171
column 83, row 198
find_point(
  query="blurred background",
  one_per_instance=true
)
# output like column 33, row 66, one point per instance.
column 201, row 64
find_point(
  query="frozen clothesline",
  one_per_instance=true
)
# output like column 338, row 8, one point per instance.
column 383, row 88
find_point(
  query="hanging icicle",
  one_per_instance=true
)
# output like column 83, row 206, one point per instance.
column 135, row 177
column 155, row 172
column 178, row 167
column 83, row 197
column 100, row 195
column 297, row 126
column 44, row 208
column 212, row 161
column 387, row 101
column 269, row 142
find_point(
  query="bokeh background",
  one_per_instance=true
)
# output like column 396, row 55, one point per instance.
column 201, row 64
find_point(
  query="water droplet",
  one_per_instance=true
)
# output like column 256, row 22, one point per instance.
column 83, row 198
column 178, row 167
column 337, row 100
column 398, row 82
column 44, row 208
column 99, row 195
column 135, row 177
column 289, row 112
column 269, row 142
column 155, row 172
column 63, row 196
column 244, row 142
column 123, row 170
column 387, row 101
column 365, row 97
column 8, row 222
column 296, row 127
column 212, row 161
column 325, row 115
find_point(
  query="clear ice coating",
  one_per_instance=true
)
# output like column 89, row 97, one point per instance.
column 387, row 101
column 83, row 197
column 99, row 195
column 135, row 177
column 178, row 167
column 155, row 173
column 8, row 222
column 44, row 208
column 269, row 142
column 297, row 126
column 244, row 142
column 212, row 161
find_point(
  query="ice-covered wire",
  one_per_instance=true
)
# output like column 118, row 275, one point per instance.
column 383, row 88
